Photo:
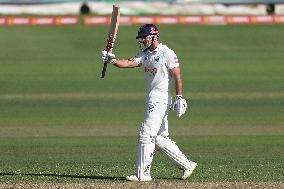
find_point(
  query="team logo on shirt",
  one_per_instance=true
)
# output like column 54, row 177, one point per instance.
column 157, row 59
column 151, row 108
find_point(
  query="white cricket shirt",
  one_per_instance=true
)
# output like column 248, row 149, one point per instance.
column 156, row 66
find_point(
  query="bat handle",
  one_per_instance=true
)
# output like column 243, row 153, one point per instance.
column 104, row 69
column 108, row 49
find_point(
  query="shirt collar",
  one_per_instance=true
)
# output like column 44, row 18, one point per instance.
column 156, row 50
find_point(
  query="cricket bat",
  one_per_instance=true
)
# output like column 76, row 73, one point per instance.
column 115, row 17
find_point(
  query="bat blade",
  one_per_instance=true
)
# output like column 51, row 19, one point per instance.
column 115, row 17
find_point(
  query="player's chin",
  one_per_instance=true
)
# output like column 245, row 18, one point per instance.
column 147, row 45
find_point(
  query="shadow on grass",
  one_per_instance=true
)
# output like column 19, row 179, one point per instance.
column 92, row 177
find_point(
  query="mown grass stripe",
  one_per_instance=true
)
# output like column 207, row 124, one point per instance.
column 195, row 95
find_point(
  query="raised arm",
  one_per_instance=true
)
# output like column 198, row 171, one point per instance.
column 125, row 63
column 110, row 58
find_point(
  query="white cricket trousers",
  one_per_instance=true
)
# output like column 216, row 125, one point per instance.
column 154, row 133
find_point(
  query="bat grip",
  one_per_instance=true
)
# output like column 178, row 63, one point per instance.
column 109, row 46
column 104, row 69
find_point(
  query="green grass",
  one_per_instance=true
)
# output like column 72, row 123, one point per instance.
column 86, row 159
column 60, row 122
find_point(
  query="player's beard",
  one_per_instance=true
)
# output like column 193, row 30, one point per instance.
column 143, row 45
column 147, row 44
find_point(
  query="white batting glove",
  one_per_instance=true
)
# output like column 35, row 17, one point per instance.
column 180, row 105
column 108, row 57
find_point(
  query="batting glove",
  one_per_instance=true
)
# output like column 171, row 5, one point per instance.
column 180, row 105
column 108, row 57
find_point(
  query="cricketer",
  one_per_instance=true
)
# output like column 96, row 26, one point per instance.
column 161, row 68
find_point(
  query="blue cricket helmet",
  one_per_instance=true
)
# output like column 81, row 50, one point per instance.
column 147, row 29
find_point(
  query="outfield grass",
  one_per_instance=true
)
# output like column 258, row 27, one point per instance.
column 60, row 122
column 86, row 159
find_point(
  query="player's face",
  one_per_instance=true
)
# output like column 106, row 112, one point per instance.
column 146, row 41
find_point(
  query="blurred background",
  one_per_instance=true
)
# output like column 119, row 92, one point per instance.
column 134, row 7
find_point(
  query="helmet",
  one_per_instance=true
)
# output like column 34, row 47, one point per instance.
column 147, row 29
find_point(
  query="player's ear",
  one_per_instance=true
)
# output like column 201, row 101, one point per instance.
column 156, row 37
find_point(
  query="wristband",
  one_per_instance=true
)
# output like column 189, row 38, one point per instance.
column 112, row 61
column 178, row 97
